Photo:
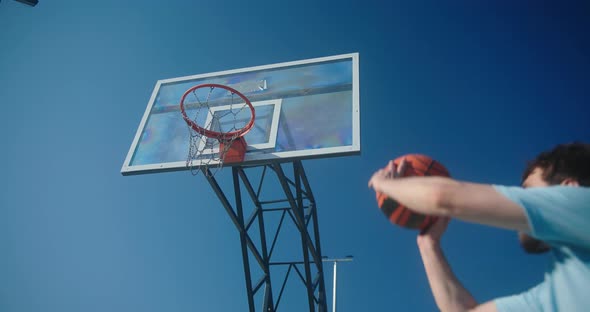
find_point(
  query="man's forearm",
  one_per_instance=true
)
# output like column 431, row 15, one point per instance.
column 439, row 196
column 421, row 194
column 448, row 292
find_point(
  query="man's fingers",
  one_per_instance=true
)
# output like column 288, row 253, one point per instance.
column 400, row 170
column 394, row 171
column 390, row 166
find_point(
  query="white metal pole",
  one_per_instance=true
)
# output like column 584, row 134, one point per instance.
column 335, row 261
column 334, row 288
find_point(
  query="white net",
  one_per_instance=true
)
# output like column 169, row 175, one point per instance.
column 215, row 114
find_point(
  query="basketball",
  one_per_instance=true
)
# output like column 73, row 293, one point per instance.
column 416, row 165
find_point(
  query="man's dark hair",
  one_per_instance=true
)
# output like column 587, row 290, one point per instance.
column 565, row 161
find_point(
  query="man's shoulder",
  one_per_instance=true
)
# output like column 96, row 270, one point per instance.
column 554, row 191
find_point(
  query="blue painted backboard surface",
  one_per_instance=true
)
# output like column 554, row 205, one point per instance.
column 304, row 109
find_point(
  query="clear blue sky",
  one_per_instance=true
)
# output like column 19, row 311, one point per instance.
column 481, row 87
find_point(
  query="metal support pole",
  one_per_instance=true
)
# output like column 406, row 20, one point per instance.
column 301, row 210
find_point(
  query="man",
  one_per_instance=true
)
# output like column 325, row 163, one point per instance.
column 551, row 211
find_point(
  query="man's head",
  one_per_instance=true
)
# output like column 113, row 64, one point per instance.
column 566, row 164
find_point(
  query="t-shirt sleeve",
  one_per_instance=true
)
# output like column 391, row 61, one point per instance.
column 530, row 300
column 556, row 214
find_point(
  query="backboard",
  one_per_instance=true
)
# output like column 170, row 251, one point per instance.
column 304, row 109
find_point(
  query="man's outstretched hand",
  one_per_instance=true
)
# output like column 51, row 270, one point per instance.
column 434, row 232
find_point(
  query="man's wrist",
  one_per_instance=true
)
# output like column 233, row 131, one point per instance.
column 428, row 242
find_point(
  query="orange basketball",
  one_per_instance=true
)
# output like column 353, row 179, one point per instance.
column 416, row 165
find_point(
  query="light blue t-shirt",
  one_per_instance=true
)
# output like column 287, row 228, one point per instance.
column 559, row 216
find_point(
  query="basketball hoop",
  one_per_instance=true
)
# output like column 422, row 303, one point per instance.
column 220, row 137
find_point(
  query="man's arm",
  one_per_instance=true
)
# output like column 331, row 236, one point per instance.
column 448, row 292
column 479, row 203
